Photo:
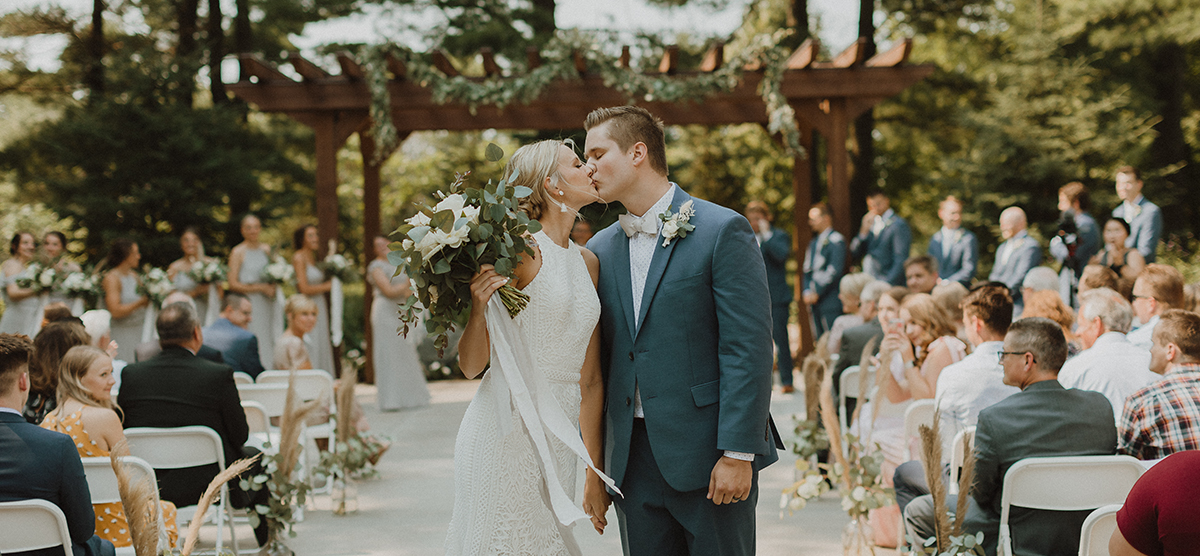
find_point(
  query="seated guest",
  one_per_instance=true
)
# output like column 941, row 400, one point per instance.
column 1164, row 417
column 146, row 350
column 98, row 323
column 856, row 339
column 1039, row 279
column 37, row 463
column 1159, row 515
column 1096, row 276
column 57, row 311
column 850, row 293
column 1191, row 297
column 967, row 387
column 949, row 296
column 228, row 335
column 1042, row 420
column 50, row 344
column 1108, row 364
column 290, row 351
column 176, row 388
column 1017, row 255
column 921, row 274
column 955, row 250
column 1127, row 262
column 1049, row 304
column 87, row 414
column 1158, row 288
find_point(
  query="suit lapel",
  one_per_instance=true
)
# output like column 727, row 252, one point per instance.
column 658, row 264
column 624, row 281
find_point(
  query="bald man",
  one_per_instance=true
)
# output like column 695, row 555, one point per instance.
column 1016, row 256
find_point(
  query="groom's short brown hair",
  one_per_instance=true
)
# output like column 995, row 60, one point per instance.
column 632, row 125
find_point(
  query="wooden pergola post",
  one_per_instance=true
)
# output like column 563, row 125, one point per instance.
column 371, row 228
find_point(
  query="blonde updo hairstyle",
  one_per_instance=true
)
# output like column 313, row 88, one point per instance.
column 533, row 163
column 72, row 369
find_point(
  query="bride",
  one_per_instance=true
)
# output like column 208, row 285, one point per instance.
column 502, row 502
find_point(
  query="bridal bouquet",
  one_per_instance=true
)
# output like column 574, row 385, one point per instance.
column 209, row 271
column 40, row 279
column 156, row 286
column 337, row 266
column 444, row 246
column 278, row 272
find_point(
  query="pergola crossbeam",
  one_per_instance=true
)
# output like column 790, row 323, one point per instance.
column 308, row 70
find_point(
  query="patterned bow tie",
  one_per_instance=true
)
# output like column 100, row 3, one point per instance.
column 638, row 225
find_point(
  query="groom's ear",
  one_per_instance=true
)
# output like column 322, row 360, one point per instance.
column 639, row 153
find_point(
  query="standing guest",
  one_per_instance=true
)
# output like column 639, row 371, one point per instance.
column 178, row 271
column 850, row 290
column 1097, row 276
column 921, row 274
column 883, row 240
column 1048, row 305
column 955, row 249
column 121, row 297
column 20, row 304
column 1042, row 420
column 311, row 281
column 824, row 266
column 856, row 340
column 246, row 264
column 49, row 346
column 1164, row 417
column 1144, row 218
column 775, row 246
column 38, row 463
column 1017, row 255
column 399, row 376
column 230, row 336
column 1126, row 261
column 1077, row 240
column 581, row 232
column 1108, row 364
column 1159, row 515
column 86, row 412
column 54, row 248
column 1158, row 288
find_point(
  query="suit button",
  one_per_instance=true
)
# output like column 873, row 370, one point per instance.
column 627, row 402
column 631, row 356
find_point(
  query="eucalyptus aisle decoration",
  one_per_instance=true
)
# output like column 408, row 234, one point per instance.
column 558, row 64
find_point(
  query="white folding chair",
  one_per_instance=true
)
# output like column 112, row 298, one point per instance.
column 1071, row 483
column 261, row 436
column 848, row 388
column 271, row 397
column 242, row 378
column 33, row 525
column 919, row 412
column 965, row 437
column 102, row 483
column 182, row 447
column 1097, row 530
column 311, row 384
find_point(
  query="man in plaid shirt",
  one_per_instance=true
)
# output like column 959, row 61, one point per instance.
column 1164, row 417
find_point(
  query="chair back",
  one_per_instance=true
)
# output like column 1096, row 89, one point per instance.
column 311, row 384
column 178, row 447
column 242, row 378
column 919, row 412
column 271, row 396
column 102, row 480
column 848, row 386
column 964, row 438
column 33, row 525
column 1071, row 483
column 256, row 417
column 1097, row 530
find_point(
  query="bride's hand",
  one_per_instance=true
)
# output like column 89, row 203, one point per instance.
column 596, row 501
column 483, row 285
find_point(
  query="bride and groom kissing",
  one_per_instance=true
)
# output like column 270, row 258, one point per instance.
column 655, row 341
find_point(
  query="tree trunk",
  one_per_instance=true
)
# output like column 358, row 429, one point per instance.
column 185, row 52
column 864, row 125
column 1169, row 62
column 242, row 37
column 543, row 22
column 216, row 52
column 94, row 76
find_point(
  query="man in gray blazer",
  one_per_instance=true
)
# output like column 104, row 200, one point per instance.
column 883, row 240
column 1144, row 218
column 685, row 328
column 955, row 249
column 1042, row 420
column 1016, row 256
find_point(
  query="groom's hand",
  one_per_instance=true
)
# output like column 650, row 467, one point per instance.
column 730, row 481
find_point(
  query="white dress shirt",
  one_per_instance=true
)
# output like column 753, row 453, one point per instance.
column 966, row 388
column 1132, row 209
column 10, row 410
column 1143, row 336
column 1112, row 366
column 949, row 238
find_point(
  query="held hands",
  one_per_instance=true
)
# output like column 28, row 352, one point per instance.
column 730, row 481
column 596, row 501
column 483, row 285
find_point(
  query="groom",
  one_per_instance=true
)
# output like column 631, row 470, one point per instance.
column 686, row 326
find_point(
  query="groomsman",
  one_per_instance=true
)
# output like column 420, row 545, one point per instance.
column 1077, row 240
column 776, row 246
column 956, row 250
column 824, row 265
column 1144, row 218
column 1016, row 256
column 883, row 240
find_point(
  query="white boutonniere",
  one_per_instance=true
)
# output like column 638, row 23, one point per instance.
column 676, row 225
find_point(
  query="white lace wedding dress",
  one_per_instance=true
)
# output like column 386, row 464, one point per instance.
column 499, row 506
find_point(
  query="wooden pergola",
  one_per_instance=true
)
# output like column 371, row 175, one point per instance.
column 826, row 96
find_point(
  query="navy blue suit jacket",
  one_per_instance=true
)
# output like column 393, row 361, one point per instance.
column 824, row 266
column 888, row 250
column 775, row 253
column 39, row 463
column 702, row 355
column 960, row 264
column 238, row 346
column 1146, row 228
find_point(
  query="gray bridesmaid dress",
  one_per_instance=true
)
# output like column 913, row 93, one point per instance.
column 399, row 375
column 263, row 307
column 127, row 331
column 318, row 340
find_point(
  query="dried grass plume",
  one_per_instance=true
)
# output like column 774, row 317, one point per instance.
column 214, row 488
column 139, row 499
column 931, row 455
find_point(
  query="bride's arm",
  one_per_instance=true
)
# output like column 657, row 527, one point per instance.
column 591, row 418
column 474, row 348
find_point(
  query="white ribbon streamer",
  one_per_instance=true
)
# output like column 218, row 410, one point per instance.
column 517, row 385
column 40, row 315
column 277, row 313
column 213, row 306
column 336, row 302
column 149, row 331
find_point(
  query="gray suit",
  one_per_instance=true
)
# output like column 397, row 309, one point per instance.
column 1146, row 227
column 1024, row 254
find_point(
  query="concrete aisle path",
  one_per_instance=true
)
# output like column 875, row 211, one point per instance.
column 407, row 510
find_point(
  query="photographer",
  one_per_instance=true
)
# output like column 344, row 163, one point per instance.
column 1078, row 238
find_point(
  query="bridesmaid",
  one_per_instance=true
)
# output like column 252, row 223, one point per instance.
column 399, row 376
column 20, row 304
column 121, row 298
column 193, row 252
column 310, row 281
column 246, row 264
column 54, row 246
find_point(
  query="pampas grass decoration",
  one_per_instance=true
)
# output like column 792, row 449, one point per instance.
column 864, row 365
column 290, row 426
column 214, row 488
column 813, row 370
column 931, row 453
column 140, row 503
column 966, row 480
column 345, row 404
column 833, row 429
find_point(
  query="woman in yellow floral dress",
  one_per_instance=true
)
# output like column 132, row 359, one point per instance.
column 87, row 413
